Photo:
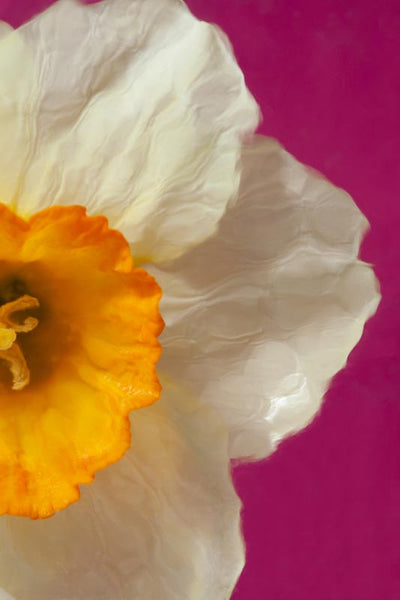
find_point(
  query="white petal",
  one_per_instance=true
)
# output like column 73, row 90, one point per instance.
column 161, row 524
column 138, row 115
column 17, row 85
column 260, row 318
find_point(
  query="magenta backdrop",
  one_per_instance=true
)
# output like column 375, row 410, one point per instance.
column 321, row 517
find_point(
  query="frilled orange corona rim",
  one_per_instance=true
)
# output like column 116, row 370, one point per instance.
column 78, row 352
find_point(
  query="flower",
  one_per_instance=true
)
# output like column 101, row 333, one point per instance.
column 138, row 112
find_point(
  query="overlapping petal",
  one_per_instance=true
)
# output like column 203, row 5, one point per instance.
column 161, row 523
column 259, row 318
column 134, row 109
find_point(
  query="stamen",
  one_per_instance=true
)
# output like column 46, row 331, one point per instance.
column 23, row 303
column 9, row 327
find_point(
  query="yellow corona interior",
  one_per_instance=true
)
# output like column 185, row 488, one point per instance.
column 78, row 352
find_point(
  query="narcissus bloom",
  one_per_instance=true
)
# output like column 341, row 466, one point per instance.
column 129, row 164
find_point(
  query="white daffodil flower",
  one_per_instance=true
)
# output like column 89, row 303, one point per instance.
column 137, row 113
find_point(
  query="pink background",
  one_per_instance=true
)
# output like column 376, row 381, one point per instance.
column 322, row 516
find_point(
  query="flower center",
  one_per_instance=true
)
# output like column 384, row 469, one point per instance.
column 83, row 369
column 10, row 350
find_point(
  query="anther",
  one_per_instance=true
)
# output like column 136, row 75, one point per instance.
column 10, row 351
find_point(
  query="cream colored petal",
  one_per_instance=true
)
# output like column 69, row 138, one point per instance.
column 260, row 318
column 17, row 89
column 138, row 115
column 162, row 523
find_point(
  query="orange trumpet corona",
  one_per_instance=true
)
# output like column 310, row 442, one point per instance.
column 78, row 352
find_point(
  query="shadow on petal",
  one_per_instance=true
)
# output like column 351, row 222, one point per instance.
column 260, row 317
